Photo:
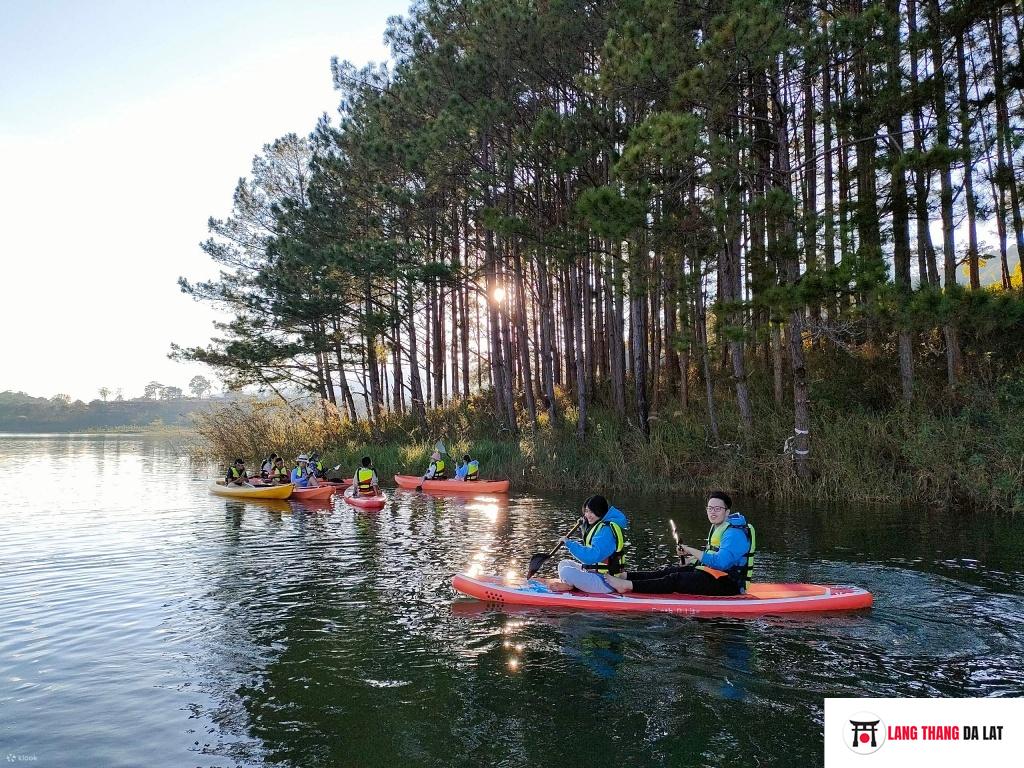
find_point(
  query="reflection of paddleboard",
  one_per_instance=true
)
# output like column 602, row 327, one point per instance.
column 366, row 502
column 760, row 598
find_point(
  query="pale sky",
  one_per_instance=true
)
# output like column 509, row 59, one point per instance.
column 123, row 127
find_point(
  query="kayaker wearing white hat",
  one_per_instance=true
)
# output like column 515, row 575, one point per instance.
column 301, row 475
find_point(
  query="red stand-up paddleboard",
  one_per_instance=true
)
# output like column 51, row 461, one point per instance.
column 760, row 599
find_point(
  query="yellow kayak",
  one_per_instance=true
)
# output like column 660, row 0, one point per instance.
column 244, row 492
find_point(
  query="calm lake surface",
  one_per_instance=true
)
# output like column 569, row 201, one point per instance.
column 144, row 622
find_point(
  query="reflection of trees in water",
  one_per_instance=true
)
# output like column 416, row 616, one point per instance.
column 335, row 643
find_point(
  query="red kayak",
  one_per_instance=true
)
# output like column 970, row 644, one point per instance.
column 452, row 486
column 761, row 599
column 366, row 502
column 319, row 492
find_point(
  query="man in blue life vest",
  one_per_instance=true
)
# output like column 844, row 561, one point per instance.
column 364, row 481
column 236, row 474
column 723, row 569
column 302, row 476
column 437, row 469
column 600, row 554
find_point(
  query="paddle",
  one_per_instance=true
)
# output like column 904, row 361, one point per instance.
column 675, row 535
column 538, row 560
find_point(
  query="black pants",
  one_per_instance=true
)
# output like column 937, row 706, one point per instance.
column 684, row 579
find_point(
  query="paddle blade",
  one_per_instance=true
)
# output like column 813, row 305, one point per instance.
column 439, row 447
column 536, row 563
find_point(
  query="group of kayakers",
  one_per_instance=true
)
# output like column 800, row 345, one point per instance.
column 722, row 568
column 467, row 468
column 308, row 471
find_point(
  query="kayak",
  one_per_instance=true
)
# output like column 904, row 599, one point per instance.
column 320, row 492
column 366, row 502
column 244, row 492
column 453, row 486
column 760, row 599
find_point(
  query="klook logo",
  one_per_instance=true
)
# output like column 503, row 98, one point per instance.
column 864, row 733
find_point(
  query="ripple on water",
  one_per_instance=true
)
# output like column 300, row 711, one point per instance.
column 143, row 621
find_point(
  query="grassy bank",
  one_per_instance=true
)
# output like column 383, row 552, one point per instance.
column 971, row 456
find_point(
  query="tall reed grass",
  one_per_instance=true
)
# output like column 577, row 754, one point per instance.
column 971, row 458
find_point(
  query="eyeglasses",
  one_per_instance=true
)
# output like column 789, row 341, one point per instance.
column 715, row 508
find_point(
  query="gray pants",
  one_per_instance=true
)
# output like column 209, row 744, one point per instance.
column 571, row 572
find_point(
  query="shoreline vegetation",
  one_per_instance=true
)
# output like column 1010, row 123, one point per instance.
column 973, row 459
column 656, row 245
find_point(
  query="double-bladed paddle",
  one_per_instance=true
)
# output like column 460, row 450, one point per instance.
column 538, row 560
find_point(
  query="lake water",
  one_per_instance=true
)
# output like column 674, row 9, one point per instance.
column 145, row 622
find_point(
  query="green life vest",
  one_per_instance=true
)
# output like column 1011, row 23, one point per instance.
column 439, row 470
column 473, row 470
column 741, row 574
column 614, row 563
column 364, row 476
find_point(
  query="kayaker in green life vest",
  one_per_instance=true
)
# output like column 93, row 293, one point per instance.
column 364, row 481
column 437, row 469
column 316, row 466
column 468, row 469
column 723, row 569
column 278, row 474
column 236, row 474
column 599, row 555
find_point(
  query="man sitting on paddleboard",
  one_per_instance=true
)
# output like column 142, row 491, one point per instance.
column 722, row 569
column 364, row 481
column 600, row 554
column 302, row 475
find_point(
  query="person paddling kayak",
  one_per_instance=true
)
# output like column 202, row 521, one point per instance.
column 364, row 481
column 600, row 554
column 468, row 469
column 236, row 474
column 437, row 469
column 278, row 473
column 723, row 569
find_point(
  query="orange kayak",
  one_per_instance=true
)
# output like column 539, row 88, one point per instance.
column 452, row 486
column 366, row 502
column 761, row 599
column 320, row 492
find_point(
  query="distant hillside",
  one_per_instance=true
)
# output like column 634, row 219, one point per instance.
column 23, row 413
